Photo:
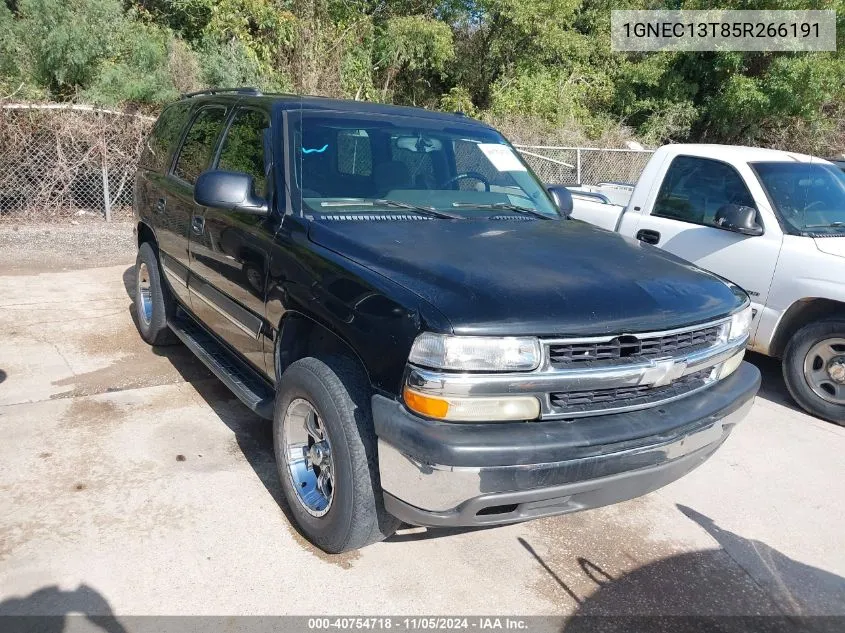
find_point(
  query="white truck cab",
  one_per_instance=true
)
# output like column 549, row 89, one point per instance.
column 772, row 222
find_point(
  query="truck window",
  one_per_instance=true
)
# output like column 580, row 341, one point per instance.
column 349, row 163
column 469, row 159
column 419, row 166
column 695, row 188
column 195, row 155
column 164, row 136
column 807, row 196
column 243, row 147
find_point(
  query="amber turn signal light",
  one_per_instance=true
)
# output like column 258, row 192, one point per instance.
column 426, row 405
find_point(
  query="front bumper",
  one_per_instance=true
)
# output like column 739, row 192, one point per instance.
column 458, row 474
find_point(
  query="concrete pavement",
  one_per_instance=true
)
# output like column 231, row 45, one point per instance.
column 131, row 481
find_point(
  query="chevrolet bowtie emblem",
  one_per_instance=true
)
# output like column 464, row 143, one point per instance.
column 664, row 371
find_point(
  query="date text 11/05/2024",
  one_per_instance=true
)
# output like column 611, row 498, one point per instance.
column 436, row 623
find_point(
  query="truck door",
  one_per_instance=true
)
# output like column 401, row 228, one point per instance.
column 153, row 192
column 229, row 248
column 682, row 222
column 191, row 159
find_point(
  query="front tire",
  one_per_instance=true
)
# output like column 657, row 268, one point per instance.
column 326, row 454
column 814, row 369
column 154, row 303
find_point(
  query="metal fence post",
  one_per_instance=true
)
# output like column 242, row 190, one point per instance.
column 106, row 198
column 578, row 166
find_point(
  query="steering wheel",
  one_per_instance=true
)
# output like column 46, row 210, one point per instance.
column 466, row 174
column 813, row 204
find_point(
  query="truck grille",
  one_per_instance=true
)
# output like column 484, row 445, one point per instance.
column 632, row 346
column 580, row 402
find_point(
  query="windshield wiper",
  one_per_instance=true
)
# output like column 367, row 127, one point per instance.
column 506, row 206
column 384, row 202
column 836, row 224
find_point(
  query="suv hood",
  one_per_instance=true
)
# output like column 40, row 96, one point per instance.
column 541, row 277
column 831, row 245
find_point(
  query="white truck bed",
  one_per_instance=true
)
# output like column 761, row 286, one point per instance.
column 601, row 204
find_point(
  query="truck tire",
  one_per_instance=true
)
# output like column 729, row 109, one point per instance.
column 814, row 369
column 326, row 454
column 153, row 301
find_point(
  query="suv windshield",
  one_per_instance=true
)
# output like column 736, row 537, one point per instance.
column 809, row 197
column 359, row 163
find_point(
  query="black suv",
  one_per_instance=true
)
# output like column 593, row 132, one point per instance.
column 436, row 342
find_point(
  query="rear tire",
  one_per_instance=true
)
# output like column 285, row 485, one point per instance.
column 154, row 303
column 814, row 369
column 347, row 512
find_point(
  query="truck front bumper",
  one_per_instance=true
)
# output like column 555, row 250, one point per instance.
column 458, row 474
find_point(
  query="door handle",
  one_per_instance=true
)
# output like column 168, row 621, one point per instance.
column 160, row 205
column 198, row 224
column 648, row 236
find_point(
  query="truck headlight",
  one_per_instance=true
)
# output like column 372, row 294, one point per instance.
column 740, row 324
column 738, row 327
column 492, row 409
column 475, row 353
column 729, row 366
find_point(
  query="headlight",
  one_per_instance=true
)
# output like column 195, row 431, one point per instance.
column 740, row 325
column 493, row 409
column 475, row 353
column 729, row 366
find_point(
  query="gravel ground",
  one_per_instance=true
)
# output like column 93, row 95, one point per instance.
column 32, row 248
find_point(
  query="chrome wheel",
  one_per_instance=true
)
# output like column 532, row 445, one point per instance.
column 144, row 294
column 309, row 457
column 824, row 370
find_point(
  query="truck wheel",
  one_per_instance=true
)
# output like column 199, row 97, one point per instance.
column 153, row 301
column 326, row 454
column 814, row 369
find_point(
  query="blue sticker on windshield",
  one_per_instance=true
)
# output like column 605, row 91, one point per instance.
column 315, row 150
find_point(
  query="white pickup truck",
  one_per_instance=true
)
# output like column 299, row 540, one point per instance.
column 772, row 222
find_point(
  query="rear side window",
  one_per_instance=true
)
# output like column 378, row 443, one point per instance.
column 243, row 147
column 695, row 188
column 195, row 155
column 164, row 136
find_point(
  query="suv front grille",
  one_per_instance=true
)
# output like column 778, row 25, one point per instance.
column 631, row 346
column 580, row 402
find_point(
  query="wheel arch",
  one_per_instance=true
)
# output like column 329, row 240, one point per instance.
column 299, row 336
column 798, row 315
column 145, row 233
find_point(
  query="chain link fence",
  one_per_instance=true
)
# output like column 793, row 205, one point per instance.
column 585, row 165
column 72, row 163
column 62, row 162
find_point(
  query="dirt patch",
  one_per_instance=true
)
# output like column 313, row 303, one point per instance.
column 137, row 364
column 344, row 561
column 90, row 412
column 122, row 340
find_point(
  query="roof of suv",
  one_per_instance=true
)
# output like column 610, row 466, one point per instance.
column 292, row 101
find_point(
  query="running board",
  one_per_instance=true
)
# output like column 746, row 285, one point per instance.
column 244, row 381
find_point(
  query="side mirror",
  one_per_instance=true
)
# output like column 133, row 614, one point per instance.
column 562, row 198
column 229, row 190
column 739, row 219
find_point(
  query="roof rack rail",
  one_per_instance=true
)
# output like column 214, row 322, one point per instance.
column 213, row 91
